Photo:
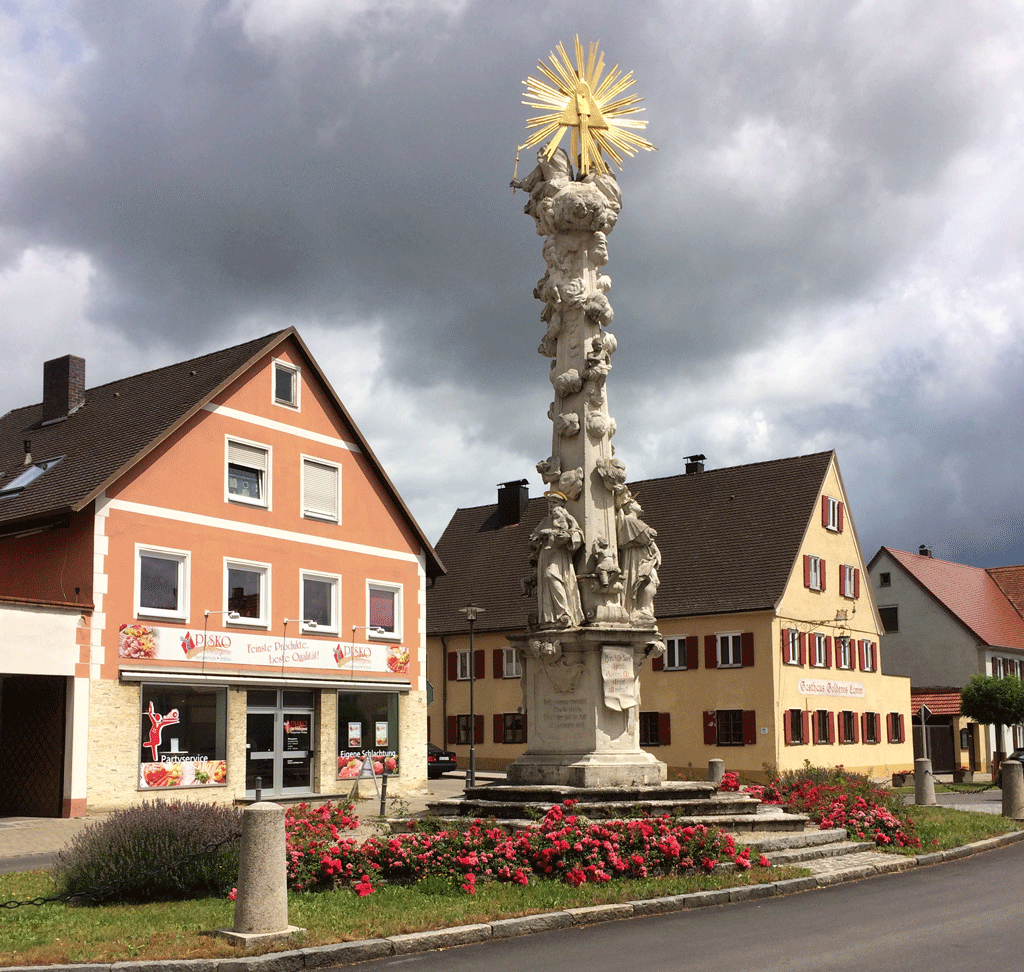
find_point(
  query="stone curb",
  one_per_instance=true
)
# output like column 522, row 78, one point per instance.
column 345, row 953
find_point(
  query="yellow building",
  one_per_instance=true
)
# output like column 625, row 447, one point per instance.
column 772, row 638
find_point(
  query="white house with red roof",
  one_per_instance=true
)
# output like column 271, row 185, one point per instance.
column 943, row 623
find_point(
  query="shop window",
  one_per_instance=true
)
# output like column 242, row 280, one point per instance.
column 248, row 473
column 183, row 736
column 367, row 726
column 320, row 490
column 248, row 593
column 161, row 582
column 384, row 610
column 320, row 602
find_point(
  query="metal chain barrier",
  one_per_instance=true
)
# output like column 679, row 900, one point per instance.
column 964, row 789
column 98, row 894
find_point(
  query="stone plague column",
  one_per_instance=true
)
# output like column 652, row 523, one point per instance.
column 595, row 560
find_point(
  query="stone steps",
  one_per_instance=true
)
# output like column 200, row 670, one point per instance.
column 800, row 847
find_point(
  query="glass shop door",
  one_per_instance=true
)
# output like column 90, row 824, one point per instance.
column 279, row 741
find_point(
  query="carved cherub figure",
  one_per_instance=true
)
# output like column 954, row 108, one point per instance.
column 606, row 564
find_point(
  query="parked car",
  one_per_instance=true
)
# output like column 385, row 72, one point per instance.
column 1018, row 755
column 439, row 761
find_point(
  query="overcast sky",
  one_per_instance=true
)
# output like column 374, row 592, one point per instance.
column 825, row 252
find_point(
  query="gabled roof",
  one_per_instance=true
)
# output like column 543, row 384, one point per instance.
column 728, row 537
column 123, row 421
column 969, row 593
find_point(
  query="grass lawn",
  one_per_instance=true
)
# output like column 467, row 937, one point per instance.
column 941, row 828
column 56, row 934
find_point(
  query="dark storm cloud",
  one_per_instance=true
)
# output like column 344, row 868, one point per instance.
column 227, row 166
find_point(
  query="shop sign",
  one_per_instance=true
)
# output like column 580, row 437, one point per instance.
column 141, row 641
column 349, row 763
column 826, row 686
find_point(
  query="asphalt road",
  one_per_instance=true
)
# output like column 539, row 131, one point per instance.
column 963, row 916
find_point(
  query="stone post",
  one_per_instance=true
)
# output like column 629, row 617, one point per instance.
column 716, row 770
column 261, row 908
column 1013, row 789
column 924, row 783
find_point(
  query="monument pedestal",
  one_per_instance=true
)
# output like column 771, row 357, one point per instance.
column 581, row 693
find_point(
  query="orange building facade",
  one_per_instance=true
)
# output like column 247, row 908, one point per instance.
column 234, row 604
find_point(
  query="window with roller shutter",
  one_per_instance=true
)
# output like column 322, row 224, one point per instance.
column 320, row 490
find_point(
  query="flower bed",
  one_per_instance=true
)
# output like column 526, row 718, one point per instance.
column 563, row 847
column 834, row 799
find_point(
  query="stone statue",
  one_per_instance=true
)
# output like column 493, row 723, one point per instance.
column 544, row 182
column 606, row 566
column 554, row 544
column 639, row 559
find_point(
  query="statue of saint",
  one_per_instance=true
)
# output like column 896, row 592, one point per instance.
column 639, row 559
column 554, row 544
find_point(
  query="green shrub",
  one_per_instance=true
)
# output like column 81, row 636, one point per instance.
column 121, row 859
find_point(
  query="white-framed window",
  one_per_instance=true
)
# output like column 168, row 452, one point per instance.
column 818, row 658
column 384, row 610
column 161, row 582
column 247, row 592
column 287, row 384
column 675, row 653
column 511, row 667
column 814, row 572
column 843, row 652
column 792, row 647
column 320, row 596
column 321, row 489
column 832, row 513
column 850, row 581
column 730, row 650
column 247, row 477
column 867, row 656
column 463, row 661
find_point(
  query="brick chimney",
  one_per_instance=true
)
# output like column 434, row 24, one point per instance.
column 924, row 550
column 512, row 500
column 63, row 386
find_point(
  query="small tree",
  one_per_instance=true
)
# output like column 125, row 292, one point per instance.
column 993, row 701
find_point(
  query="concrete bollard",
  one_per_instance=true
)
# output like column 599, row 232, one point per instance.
column 1013, row 789
column 924, row 783
column 261, row 908
column 716, row 770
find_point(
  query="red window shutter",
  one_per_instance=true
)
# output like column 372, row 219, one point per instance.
column 498, row 662
column 785, row 644
column 499, row 727
column 842, row 586
column 902, row 733
column 710, row 728
column 823, row 573
column 525, row 738
column 803, row 647
column 807, row 570
column 453, row 666
column 658, row 663
column 814, row 727
column 828, row 651
column 805, row 718
column 831, row 728
column 749, row 727
column 664, row 728
column 710, row 652
column 824, row 511
column 856, row 582
column 479, row 664
column 453, row 731
column 691, row 653
column 888, row 727
column 864, row 726
column 787, row 727
column 747, row 649
column 478, row 729
column 839, row 519
column 856, row 738
column 874, row 656
column 841, row 728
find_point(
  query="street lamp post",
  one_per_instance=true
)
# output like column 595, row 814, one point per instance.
column 472, row 612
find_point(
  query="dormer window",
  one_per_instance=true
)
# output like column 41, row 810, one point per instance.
column 286, row 384
column 28, row 475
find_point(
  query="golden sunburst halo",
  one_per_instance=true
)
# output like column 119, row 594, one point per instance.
column 593, row 110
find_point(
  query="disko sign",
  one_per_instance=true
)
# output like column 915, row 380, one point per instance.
column 140, row 641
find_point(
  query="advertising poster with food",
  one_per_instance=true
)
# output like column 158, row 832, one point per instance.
column 349, row 763
column 143, row 642
column 183, row 772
